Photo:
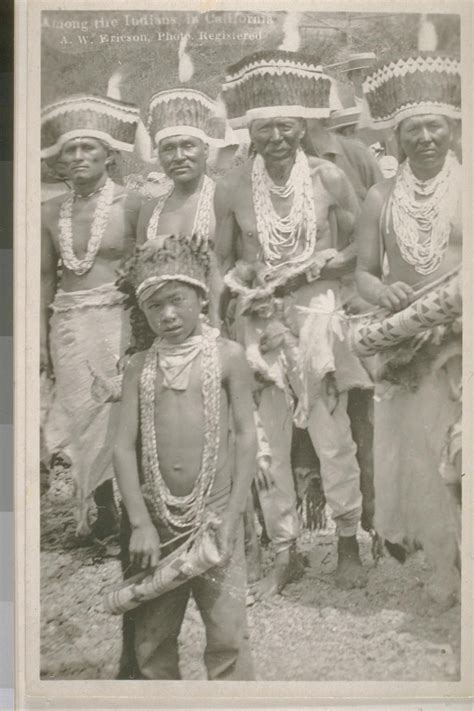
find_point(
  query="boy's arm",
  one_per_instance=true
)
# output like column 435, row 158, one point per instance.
column 144, row 542
column 241, row 403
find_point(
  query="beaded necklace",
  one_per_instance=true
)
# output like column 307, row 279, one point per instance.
column 423, row 228
column 202, row 219
column 99, row 223
column 282, row 237
column 182, row 513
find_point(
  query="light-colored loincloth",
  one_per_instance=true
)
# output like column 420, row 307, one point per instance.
column 415, row 412
column 89, row 331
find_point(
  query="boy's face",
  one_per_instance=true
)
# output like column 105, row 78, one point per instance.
column 173, row 311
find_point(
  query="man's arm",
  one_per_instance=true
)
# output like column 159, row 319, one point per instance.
column 49, row 263
column 226, row 226
column 369, row 258
column 144, row 216
column 133, row 205
column 144, row 542
column 226, row 234
column 344, row 212
column 239, row 381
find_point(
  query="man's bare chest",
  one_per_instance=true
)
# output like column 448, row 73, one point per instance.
column 115, row 231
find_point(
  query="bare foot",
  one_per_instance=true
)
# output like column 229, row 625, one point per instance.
column 288, row 566
column 349, row 573
column 444, row 590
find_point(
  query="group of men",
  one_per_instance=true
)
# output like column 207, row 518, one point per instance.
column 267, row 258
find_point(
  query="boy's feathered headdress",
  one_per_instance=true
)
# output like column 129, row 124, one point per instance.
column 160, row 260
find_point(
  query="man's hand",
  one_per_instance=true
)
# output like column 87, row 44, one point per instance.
column 332, row 392
column 106, row 389
column 337, row 267
column 226, row 533
column 395, row 297
column 264, row 479
column 145, row 546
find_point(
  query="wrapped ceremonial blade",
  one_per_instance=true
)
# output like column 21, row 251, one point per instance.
column 436, row 304
column 194, row 557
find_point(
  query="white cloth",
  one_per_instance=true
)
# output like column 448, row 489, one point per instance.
column 89, row 331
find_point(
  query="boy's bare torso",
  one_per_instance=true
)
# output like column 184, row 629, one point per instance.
column 179, row 429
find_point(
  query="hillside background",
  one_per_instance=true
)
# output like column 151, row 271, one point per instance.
column 82, row 50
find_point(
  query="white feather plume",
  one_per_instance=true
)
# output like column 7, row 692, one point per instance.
column 427, row 36
column 113, row 87
column 292, row 38
column 185, row 66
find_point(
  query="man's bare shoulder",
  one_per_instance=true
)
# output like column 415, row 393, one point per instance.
column 147, row 207
column 132, row 200
column 379, row 192
column 50, row 208
column 232, row 354
column 235, row 177
column 324, row 168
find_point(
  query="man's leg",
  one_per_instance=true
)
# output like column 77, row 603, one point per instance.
column 253, row 555
column 361, row 414
column 279, row 503
column 220, row 595
column 332, row 440
column 107, row 522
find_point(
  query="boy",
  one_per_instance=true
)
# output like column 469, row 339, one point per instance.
column 178, row 398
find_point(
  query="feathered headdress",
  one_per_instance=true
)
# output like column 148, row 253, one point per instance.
column 186, row 112
column 105, row 118
column 420, row 83
column 176, row 258
column 275, row 83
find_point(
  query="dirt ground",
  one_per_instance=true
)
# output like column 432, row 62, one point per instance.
column 312, row 632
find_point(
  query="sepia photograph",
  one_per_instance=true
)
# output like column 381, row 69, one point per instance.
column 248, row 371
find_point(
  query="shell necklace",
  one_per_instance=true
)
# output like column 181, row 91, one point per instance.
column 202, row 219
column 99, row 223
column 290, row 239
column 181, row 512
column 423, row 227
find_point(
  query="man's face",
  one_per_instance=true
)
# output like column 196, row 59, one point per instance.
column 173, row 311
column 425, row 140
column 277, row 139
column 84, row 159
column 183, row 158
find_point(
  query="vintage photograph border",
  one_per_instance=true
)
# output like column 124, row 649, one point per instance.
column 31, row 692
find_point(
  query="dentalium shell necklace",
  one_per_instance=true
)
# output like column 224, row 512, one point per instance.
column 290, row 239
column 99, row 223
column 202, row 219
column 423, row 227
column 181, row 513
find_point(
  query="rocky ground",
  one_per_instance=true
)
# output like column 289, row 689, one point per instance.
column 313, row 631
